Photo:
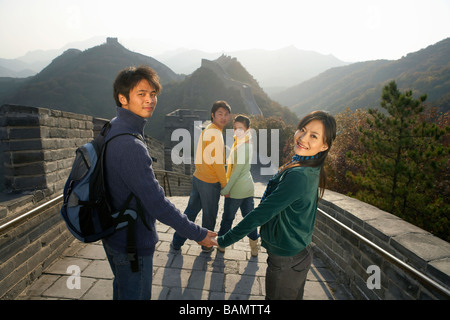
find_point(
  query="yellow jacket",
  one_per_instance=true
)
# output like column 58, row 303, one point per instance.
column 210, row 156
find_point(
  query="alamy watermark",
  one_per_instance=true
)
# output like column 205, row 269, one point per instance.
column 374, row 280
column 181, row 153
column 74, row 280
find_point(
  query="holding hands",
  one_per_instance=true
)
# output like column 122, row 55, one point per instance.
column 210, row 240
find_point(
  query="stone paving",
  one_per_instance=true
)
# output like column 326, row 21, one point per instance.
column 186, row 275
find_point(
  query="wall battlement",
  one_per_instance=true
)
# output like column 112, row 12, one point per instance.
column 38, row 148
column 217, row 67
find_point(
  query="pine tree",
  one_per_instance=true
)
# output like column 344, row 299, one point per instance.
column 404, row 160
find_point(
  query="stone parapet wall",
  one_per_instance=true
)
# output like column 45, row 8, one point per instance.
column 173, row 183
column 27, row 249
column 351, row 258
column 38, row 147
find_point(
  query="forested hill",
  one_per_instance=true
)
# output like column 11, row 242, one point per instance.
column 359, row 85
column 200, row 89
column 81, row 81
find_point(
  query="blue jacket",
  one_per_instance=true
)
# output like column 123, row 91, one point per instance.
column 128, row 168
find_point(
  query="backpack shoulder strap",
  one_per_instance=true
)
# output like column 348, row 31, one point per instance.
column 105, row 128
column 137, row 136
column 139, row 209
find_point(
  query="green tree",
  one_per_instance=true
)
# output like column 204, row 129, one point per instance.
column 404, row 159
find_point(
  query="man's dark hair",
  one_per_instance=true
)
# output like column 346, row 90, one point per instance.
column 220, row 104
column 129, row 78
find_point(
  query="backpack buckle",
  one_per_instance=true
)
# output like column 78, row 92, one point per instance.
column 133, row 258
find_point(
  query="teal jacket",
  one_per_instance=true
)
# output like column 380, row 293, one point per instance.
column 287, row 214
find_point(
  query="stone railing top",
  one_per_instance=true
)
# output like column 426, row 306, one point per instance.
column 402, row 239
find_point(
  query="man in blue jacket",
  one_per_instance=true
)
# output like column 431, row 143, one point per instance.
column 128, row 169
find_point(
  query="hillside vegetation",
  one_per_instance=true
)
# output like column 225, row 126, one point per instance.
column 200, row 89
column 358, row 85
column 396, row 157
column 81, row 82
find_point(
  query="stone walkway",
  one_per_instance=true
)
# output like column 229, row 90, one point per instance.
column 190, row 275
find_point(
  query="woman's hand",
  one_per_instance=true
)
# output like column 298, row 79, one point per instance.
column 210, row 240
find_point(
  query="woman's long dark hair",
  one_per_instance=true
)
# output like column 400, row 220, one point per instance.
column 329, row 124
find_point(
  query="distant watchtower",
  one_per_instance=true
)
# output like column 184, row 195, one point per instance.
column 112, row 40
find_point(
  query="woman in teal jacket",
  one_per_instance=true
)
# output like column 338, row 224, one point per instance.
column 239, row 190
column 288, row 209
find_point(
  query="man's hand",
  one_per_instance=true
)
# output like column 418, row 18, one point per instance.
column 209, row 240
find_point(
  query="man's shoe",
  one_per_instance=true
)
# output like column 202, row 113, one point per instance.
column 174, row 247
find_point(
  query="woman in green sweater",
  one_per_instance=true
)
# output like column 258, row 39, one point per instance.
column 239, row 190
column 287, row 211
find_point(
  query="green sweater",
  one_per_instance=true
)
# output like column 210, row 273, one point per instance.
column 286, row 215
column 240, row 185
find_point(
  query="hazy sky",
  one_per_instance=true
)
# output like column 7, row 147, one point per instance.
column 352, row 30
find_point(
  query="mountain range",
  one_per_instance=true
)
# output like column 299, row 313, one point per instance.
column 81, row 81
column 359, row 85
column 34, row 61
column 275, row 70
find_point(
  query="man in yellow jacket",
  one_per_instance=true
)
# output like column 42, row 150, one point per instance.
column 209, row 176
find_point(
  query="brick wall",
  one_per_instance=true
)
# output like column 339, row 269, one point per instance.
column 38, row 147
column 351, row 257
column 29, row 248
column 173, row 183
